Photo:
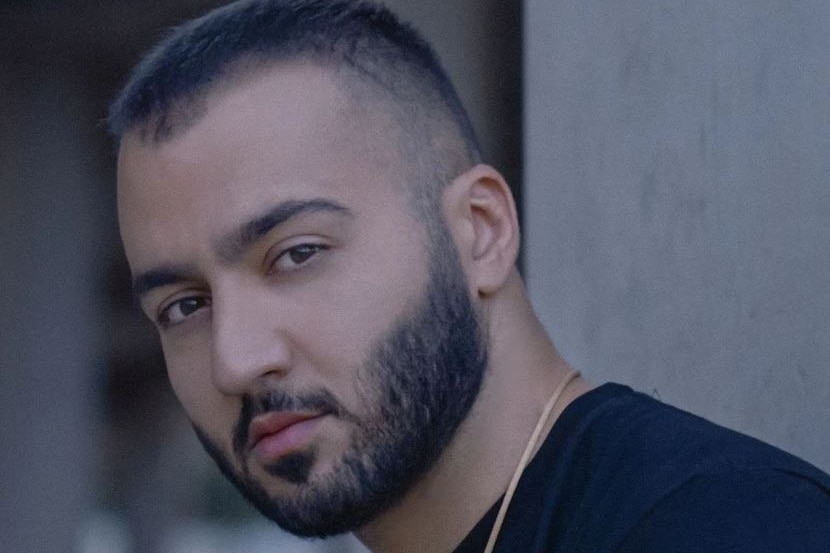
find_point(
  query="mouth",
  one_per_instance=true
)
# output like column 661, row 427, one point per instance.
column 277, row 433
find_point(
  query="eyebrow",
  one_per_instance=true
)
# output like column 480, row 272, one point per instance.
column 146, row 281
column 232, row 246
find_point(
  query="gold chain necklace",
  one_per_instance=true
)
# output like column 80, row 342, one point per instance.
column 531, row 445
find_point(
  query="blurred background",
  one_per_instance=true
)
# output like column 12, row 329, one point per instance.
column 670, row 160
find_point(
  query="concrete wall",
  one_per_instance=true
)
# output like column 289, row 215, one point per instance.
column 678, row 203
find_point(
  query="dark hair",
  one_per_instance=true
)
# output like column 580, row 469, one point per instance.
column 164, row 90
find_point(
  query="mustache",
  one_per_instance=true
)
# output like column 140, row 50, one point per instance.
column 278, row 400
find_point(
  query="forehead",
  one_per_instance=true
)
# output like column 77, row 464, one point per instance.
column 285, row 133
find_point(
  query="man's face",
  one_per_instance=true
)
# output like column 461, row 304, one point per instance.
column 321, row 339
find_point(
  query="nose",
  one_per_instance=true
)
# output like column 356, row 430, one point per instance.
column 250, row 344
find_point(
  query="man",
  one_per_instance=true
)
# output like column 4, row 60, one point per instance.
column 331, row 268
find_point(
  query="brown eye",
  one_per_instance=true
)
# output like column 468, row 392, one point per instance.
column 301, row 254
column 181, row 309
column 293, row 258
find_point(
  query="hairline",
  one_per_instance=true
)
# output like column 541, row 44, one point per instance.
column 428, row 171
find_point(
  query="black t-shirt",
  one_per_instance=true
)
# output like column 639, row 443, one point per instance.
column 621, row 472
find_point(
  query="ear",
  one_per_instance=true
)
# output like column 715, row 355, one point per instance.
column 481, row 214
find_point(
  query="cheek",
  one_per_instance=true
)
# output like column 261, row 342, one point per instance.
column 371, row 291
column 188, row 368
column 337, row 337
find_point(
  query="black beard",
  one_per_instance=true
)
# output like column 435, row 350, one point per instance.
column 419, row 384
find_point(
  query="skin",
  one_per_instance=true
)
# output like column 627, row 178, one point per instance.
column 269, row 316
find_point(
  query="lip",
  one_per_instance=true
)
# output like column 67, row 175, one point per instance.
column 274, row 434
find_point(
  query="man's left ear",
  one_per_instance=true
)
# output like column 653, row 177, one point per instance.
column 481, row 213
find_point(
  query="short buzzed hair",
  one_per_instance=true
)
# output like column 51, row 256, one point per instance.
column 164, row 91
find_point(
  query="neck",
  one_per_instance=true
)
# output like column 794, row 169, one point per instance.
column 475, row 469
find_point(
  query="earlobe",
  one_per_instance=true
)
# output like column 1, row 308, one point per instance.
column 489, row 241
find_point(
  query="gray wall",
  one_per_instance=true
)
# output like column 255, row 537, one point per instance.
column 678, row 203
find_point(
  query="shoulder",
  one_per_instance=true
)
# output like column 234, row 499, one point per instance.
column 659, row 474
column 738, row 510
column 629, row 431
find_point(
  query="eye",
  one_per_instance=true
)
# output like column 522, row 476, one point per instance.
column 181, row 309
column 294, row 257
